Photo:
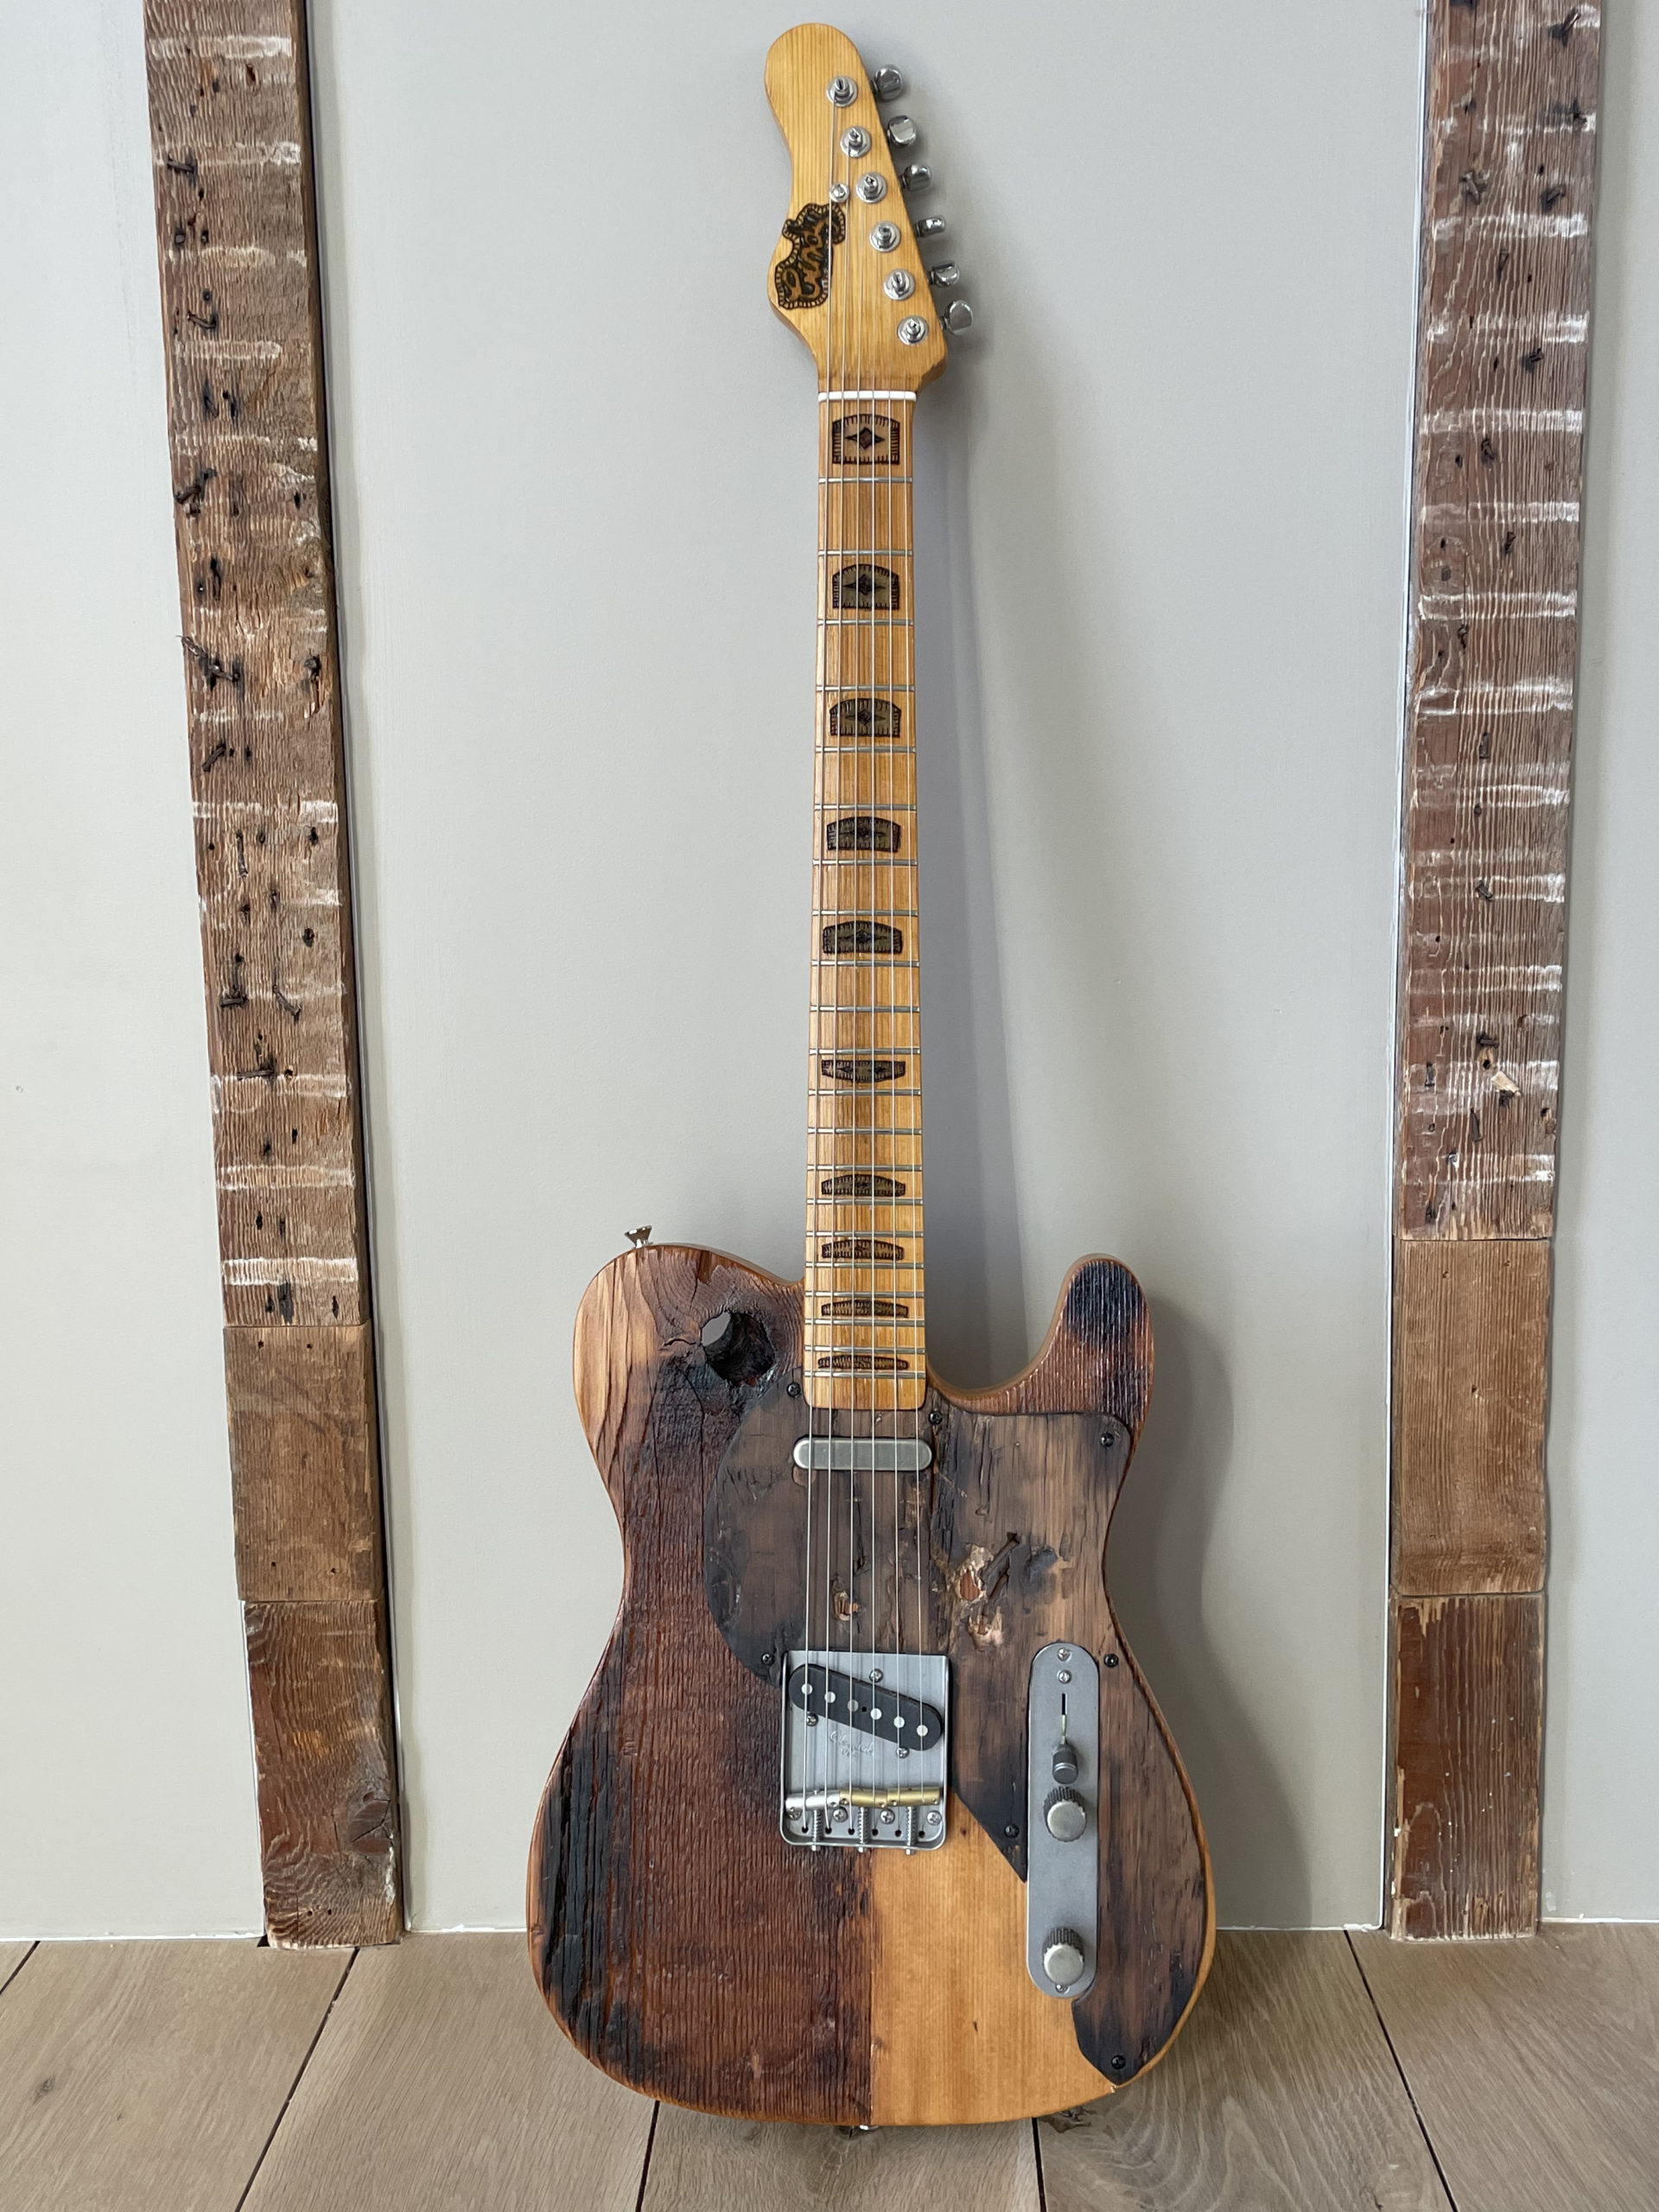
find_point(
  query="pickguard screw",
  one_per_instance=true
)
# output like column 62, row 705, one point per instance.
column 793, row 1391
column 1012, row 1828
column 1064, row 1652
column 1111, row 1658
column 1118, row 2062
column 1062, row 1675
column 765, row 1658
column 1106, row 1436
column 934, row 1417
column 876, row 1674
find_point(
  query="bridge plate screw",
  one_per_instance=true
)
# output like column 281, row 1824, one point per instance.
column 876, row 1674
column 1062, row 1675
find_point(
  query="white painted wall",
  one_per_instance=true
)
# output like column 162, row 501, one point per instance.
column 126, row 1780
column 1601, row 1742
column 1162, row 515
column 1162, row 499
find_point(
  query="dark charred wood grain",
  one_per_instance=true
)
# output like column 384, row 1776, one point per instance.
column 1469, row 1685
column 328, row 1789
column 1016, row 1509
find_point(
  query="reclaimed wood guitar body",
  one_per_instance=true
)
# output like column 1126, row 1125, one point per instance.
column 868, row 1815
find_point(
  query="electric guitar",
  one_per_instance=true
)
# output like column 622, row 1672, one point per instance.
column 868, row 1815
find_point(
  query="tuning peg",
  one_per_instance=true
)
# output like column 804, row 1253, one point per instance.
column 901, row 132
column 929, row 226
column 958, row 317
column 886, row 84
column 945, row 272
column 916, row 176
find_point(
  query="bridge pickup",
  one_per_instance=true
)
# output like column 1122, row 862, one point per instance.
column 873, row 1708
column 881, row 1455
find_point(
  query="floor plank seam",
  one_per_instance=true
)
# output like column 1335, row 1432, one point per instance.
column 645, row 2170
column 1405, row 2083
column 1037, row 2154
column 18, row 1969
column 264, row 2148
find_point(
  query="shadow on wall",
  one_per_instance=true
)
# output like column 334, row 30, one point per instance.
column 978, row 1330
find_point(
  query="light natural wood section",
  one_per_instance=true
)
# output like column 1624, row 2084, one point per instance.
column 1280, row 2093
column 700, row 2165
column 1470, row 1380
column 1534, row 2064
column 854, row 334
column 1468, row 1743
column 303, row 1463
column 959, row 2031
column 11, row 1957
column 441, row 2082
column 1503, row 357
column 150, row 2074
column 230, row 133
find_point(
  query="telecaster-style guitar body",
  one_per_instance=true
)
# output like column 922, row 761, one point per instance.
column 868, row 1815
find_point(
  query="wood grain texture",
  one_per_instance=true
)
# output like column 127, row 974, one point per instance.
column 328, row 1841
column 1471, row 1374
column 437, row 2085
column 1503, row 327
column 759, row 1925
column 303, row 1470
column 236, row 232
column 12, row 1956
column 150, row 2074
column 1534, row 2065
column 1468, row 1735
column 703, row 2164
column 1281, row 2093
column 852, row 331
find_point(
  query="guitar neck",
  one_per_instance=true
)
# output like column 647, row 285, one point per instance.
column 865, row 1340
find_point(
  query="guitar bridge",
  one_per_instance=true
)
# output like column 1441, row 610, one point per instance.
column 864, row 1743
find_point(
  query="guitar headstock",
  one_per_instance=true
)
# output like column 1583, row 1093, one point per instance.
column 848, row 273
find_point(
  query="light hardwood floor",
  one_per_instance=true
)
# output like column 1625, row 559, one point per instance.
column 1319, row 2073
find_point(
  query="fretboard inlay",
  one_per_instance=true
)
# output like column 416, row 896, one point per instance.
column 862, row 1363
column 865, row 585
column 864, row 717
column 851, row 1070
column 843, row 938
column 864, row 439
column 860, row 1248
column 862, row 833
column 857, row 1184
column 863, row 1309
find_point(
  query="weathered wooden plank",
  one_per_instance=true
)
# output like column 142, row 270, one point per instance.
column 237, row 236
column 328, row 1789
column 303, row 1463
column 1468, row 1736
column 1501, row 369
column 1534, row 2065
column 1470, row 1377
column 150, row 2074
column 236, row 232
column 1282, row 2092
column 702, row 2164
column 440, row 2082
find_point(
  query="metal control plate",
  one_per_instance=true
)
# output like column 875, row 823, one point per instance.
column 1062, row 1879
column 851, row 1785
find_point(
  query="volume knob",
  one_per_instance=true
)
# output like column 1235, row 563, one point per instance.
column 1062, row 1960
column 1065, row 1814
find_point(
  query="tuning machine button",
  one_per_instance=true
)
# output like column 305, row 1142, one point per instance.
column 945, row 272
column 1063, row 1957
column 886, row 84
column 958, row 317
column 901, row 132
column 915, row 176
column 928, row 226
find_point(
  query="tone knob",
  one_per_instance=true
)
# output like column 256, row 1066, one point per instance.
column 1062, row 1960
column 1065, row 1814
column 901, row 132
column 888, row 84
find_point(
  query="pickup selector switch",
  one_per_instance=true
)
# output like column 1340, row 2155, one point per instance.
column 1065, row 1814
column 1064, row 1764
